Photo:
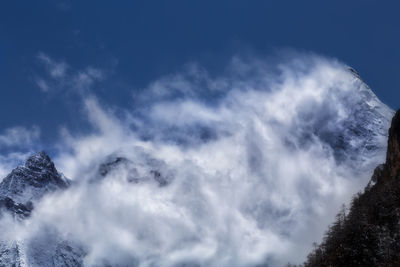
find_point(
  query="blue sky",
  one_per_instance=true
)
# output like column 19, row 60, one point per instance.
column 132, row 43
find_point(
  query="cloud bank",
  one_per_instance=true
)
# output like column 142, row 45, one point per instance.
column 237, row 170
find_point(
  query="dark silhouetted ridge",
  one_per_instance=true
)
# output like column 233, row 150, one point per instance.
column 393, row 153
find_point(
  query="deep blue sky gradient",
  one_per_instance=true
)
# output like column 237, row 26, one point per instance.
column 138, row 41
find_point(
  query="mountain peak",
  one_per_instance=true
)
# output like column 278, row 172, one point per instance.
column 40, row 161
column 355, row 73
column 33, row 180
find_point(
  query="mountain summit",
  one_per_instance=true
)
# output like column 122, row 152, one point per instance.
column 33, row 180
column 27, row 184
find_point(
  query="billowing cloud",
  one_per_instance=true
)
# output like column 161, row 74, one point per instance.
column 237, row 170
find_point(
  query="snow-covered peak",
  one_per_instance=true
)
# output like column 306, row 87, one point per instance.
column 33, row 180
column 40, row 161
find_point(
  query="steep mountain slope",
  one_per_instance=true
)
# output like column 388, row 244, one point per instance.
column 355, row 131
column 369, row 235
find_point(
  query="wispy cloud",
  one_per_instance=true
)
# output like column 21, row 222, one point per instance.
column 42, row 84
column 19, row 136
column 83, row 80
column 55, row 69
column 16, row 144
column 61, row 77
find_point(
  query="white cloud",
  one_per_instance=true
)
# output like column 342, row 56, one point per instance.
column 20, row 141
column 60, row 76
column 257, row 162
column 83, row 80
column 42, row 84
column 55, row 69
column 19, row 136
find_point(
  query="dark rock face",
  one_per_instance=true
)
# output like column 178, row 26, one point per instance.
column 18, row 209
column 369, row 234
column 40, row 161
column 107, row 167
column 144, row 170
column 393, row 153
